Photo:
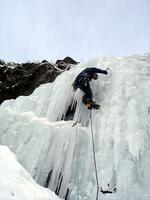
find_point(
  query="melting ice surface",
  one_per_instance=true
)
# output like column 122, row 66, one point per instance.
column 59, row 156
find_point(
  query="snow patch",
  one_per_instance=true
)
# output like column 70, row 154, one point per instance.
column 16, row 183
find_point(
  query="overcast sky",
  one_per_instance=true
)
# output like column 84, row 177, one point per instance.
column 33, row 30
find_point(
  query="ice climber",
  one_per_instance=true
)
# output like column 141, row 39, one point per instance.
column 82, row 81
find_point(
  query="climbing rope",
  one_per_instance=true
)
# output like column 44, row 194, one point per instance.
column 94, row 156
column 77, row 167
column 77, row 119
column 99, row 189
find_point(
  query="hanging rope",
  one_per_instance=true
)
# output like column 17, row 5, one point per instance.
column 77, row 167
column 77, row 119
column 99, row 189
column 94, row 156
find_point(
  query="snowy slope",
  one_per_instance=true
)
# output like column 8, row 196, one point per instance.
column 52, row 150
column 16, row 183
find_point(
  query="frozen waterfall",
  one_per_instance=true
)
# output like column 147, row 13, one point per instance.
column 59, row 156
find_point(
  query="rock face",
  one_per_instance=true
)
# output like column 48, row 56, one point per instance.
column 64, row 64
column 21, row 79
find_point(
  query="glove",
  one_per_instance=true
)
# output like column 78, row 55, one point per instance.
column 89, row 105
column 96, row 106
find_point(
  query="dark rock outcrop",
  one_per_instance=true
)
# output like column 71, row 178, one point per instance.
column 21, row 79
column 65, row 63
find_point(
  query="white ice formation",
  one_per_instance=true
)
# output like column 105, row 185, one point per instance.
column 60, row 156
column 16, row 183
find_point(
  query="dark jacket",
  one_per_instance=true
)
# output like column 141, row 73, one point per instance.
column 83, row 79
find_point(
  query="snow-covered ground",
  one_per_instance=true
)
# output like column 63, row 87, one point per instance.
column 16, row 183
column 53, row 151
